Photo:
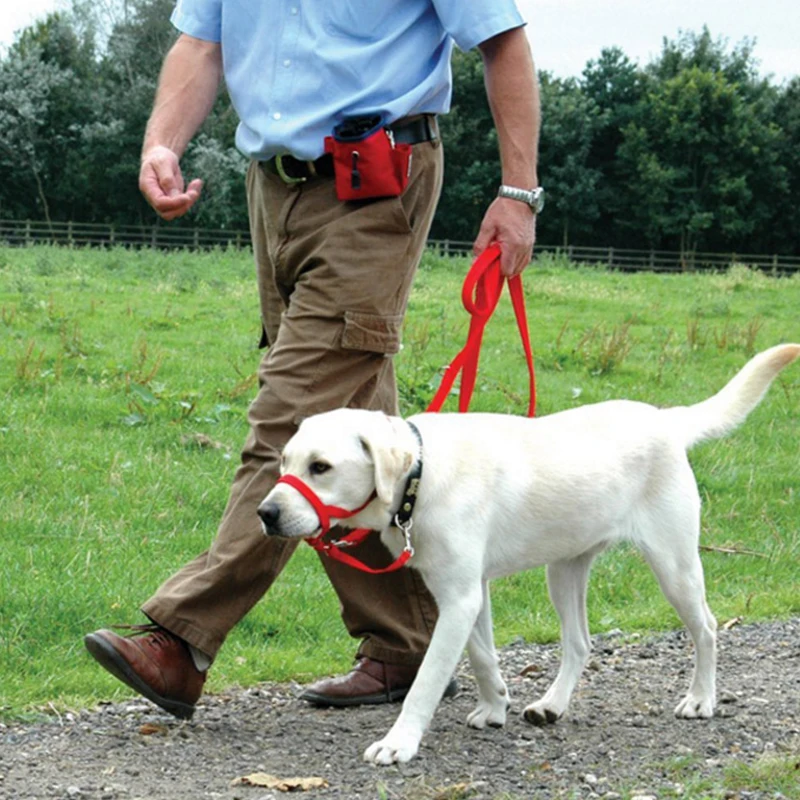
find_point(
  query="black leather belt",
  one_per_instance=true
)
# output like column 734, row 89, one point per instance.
column 409, row 130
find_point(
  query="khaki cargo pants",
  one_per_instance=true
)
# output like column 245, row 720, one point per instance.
column 334, row 280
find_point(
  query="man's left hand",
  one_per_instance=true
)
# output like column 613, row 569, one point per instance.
column 512, row 225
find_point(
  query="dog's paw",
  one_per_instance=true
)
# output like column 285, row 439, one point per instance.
column 392, row 749
column 541, row 714
column 491, row 714
column 694, row 707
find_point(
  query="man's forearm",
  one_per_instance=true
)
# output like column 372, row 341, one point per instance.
column 187, row 88
column 513, row 93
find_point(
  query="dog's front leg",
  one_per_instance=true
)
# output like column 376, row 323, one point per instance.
column 492, row 692
column 457, row 615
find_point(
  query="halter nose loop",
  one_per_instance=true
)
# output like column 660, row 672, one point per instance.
column 324, row 512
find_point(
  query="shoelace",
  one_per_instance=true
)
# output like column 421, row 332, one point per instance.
column 158, row 635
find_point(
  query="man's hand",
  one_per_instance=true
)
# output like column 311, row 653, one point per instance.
column 161, row 183
column 512, row 225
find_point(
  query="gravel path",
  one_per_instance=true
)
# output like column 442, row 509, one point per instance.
column 619, row 736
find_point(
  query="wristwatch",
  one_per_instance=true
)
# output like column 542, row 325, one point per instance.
column 533, row 197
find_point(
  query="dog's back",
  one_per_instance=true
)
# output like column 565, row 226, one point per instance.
column 576, row 479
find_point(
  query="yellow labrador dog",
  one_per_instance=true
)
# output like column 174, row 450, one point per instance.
column 498, row 494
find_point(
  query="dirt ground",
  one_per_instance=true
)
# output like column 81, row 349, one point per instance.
column 619, row 736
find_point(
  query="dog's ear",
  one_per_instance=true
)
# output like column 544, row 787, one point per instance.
column 390, row 457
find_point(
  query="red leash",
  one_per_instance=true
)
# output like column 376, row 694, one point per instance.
column 480, row 295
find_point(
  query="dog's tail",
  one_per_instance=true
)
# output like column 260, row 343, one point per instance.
column 720, row 414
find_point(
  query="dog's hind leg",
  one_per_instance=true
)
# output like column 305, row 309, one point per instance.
column 674, row 558
column 566, row 582
column 492, row 692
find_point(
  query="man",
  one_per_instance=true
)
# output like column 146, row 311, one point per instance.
column 333, row 277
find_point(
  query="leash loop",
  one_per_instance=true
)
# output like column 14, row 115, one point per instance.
column 480, row 296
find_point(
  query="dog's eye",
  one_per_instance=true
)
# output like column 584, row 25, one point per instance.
column 318, row 467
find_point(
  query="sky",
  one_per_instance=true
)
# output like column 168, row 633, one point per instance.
column 565, row 34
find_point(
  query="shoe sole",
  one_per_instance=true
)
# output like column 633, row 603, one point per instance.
column 113, row 662
column 394, row 696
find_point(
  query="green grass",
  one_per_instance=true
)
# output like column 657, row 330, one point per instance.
column 124, row 382
column 770, row 775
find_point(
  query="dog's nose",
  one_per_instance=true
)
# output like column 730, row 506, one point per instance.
column 269, row 513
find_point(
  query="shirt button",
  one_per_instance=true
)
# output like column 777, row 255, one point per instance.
column 294, row 10
column 276, row 115
column 287, row 62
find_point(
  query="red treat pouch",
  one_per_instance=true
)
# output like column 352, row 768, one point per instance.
column 366, row 161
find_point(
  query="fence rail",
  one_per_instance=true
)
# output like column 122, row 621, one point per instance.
column 18, row 233
column 25, row 232
column 649, row 260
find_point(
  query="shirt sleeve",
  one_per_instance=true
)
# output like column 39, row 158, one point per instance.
column 199, row 18
column 470, row 22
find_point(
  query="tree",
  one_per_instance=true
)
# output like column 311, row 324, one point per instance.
column 472, row 158
column 223, row 204
column 570, row 121
column 27, row 84
column 616, row 87
column 691, row 161
column 783, row 229
column 702, row 51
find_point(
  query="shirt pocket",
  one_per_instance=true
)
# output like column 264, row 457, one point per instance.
column 359, row 19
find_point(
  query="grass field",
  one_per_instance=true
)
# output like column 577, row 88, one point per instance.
column 124, row 381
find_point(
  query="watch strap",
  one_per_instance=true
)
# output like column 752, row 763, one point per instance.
column 531, row 197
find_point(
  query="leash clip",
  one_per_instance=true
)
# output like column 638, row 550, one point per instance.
column 406, row 528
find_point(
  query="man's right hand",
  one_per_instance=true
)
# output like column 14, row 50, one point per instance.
column 161, row 183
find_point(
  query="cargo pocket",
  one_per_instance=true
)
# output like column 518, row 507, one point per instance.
column 372, row 333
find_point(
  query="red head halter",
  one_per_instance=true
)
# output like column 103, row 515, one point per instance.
column 333, row 549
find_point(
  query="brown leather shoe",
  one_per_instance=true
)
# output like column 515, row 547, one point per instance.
column 153, row 663
column 370, row 682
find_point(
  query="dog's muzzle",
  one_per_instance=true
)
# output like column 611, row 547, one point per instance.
column 270, row 519
column 270, row 512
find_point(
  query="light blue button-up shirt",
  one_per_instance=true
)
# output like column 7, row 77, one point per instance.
column 294, row 68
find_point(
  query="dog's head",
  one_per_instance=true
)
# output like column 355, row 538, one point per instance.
column 344, row 457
